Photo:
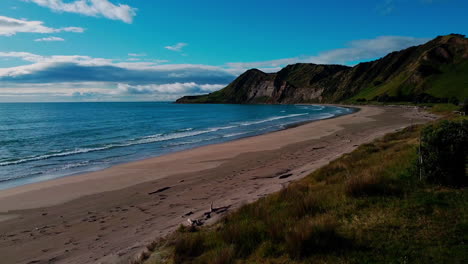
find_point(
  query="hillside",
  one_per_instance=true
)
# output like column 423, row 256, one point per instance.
column 369, row 206
column 433, row 72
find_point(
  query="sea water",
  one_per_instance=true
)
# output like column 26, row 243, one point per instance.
column 42, row 141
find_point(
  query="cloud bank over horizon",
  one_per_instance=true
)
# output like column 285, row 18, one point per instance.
column 76, row 77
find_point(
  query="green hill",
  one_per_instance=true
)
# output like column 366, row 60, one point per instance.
column 436, row 71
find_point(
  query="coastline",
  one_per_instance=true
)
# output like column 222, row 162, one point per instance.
column 36, row 186
column 110, row 215
column 12, row 181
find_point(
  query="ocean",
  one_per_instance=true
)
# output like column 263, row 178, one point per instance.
column 42, row 141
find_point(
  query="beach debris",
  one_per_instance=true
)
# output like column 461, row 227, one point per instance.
column 284, row 176
column 317, row 148
column 219, row 210
column 188, row 214
column 41, row 228
column 206, row 215
column 195, row 222
column 266, row 177
column 282, row 172
column 160, row 190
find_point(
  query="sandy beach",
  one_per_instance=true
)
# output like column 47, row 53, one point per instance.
column 109, row 216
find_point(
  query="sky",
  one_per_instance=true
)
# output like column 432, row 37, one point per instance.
column 160, row 50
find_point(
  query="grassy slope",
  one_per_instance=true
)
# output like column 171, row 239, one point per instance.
column 454, row 82
column 391, row 88
column 365, row 207
column 451, row 82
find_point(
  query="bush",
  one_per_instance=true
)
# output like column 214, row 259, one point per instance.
column 444, row 149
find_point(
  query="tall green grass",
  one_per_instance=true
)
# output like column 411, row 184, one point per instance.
column 368, row 206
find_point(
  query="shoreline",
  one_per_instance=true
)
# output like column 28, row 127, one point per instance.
column 52, row 182
column 77, row 174
column 111, row 215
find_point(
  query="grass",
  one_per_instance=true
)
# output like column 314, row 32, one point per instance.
column 444, row 108
column 453, row 82
column 450, row 82
column 390, row 88
column 368, row 206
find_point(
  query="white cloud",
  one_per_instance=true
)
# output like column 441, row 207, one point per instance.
column 49, row 39
column 177, row 47
column 137, row 54
column 386, row 7
column 170, row 88
column 75, row 68
column 149, row 79
column 10, row 26
column 358, row 50
column 98, row 91
column 94, row 8
column 72, row 29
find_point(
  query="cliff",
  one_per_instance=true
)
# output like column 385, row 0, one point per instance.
column 436, row 70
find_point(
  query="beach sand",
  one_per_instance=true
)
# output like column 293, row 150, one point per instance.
column 109, row 216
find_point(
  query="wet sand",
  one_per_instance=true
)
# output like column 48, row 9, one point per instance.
column 109, row 216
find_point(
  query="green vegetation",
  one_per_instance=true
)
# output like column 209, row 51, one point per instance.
column 452, row 83
column 444, row 108
column 435, row 72
column 391, row 88
column 369, row 206
column 444, row 151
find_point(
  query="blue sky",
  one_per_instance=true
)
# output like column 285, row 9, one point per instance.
column 114, row 50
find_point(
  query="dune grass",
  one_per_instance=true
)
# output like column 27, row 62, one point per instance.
column 368, row 206
column 444, row 108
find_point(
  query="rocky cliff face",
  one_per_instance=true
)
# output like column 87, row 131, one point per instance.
column 438, row 68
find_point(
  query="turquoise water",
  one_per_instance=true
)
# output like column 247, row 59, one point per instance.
column 41, row 141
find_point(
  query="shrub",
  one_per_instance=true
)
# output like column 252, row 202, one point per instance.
column 444, row 149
